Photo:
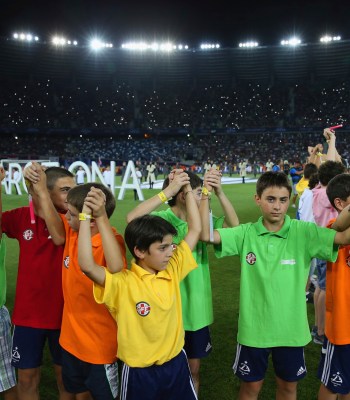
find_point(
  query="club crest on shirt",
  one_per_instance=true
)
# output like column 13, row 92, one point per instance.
column 143, row 308
column 28, row 234
column 66, row 261
column 250, row 258
column 348, row 261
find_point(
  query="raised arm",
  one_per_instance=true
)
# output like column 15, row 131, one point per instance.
column 193, row 218
column 43, row 205
column 343, row 220
column 332, row 153
column 213, row 178
column 95, row 201
column 179, row 179
column 86, row 260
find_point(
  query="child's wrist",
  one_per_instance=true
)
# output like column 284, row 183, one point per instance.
column 85, row 217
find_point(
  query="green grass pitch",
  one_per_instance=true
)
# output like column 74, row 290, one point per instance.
column 217, row 379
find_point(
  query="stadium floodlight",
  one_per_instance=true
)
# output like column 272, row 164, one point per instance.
column 249, row 44
column 327, row 39
column 97, row 44
column 293, row 41
column 59, row 41
column 207, row 46
column 27, row 37
column 75, row 43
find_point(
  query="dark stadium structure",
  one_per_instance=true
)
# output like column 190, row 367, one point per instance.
column 270, row 64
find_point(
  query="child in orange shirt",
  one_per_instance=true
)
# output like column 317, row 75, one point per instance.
column 334, row 368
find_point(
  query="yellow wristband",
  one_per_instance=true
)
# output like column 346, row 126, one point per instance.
column 84, row 216
column 205, row 191
column 162, row 197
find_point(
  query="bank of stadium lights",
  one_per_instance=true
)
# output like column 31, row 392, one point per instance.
column 327, row 39
column 97, row 44
column 155, row 46
column 248, row 44
column 25, row 37
column 294, row 41
column 209, row 46
column 61, row 41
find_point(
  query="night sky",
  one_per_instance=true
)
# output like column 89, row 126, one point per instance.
column 190, row 22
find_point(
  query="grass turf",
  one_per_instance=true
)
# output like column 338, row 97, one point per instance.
column 217, row 379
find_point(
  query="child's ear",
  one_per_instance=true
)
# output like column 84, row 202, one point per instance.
column 139, row 253
column 257, row 199
column 339, row 204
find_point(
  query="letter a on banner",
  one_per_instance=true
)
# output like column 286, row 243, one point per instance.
column 130, row 172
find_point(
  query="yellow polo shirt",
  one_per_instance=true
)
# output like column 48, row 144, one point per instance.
column 147, row 308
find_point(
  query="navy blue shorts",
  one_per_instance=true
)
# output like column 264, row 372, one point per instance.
column 171, row 381
column 28, row 346
column 251, row 363
column 101, row 380
column 198, row 343
column 334, row 368
column 321, row 273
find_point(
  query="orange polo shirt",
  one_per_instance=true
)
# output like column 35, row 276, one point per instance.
column 337, row 327
column 88, row 330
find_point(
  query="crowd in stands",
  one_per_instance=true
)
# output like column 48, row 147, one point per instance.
column 96, row 120
column 52, row 105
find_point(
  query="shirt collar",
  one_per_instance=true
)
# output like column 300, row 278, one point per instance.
column 141, row 272
column 261, row 230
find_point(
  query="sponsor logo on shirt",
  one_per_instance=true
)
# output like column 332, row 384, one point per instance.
column 143, row 308
column 28, row 234
column 66, row 261
column 250, row 258
column 288, row 262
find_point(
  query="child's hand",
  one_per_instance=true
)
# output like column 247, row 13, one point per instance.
column 96, row 202
column 178, row 179
column 212, row 180
column 33, row 172
column 2, row 173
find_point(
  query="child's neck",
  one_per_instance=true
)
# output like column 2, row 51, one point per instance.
column 180, row 212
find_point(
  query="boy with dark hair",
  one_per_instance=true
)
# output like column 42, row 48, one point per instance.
column 196, row 295
column 275, row 255
column 89, row 360
column 7, row 372
column 145, row 300
column 37, row 314
column 334, row 368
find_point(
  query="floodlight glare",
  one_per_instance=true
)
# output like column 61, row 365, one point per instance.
column 327, row 39
column 294, row 41
column 29, row 37
column 22, row 36
column 15, row 35
column 249, row 44
column 96, row 44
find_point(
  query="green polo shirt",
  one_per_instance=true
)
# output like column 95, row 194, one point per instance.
column 196, row 295
column 2, row 272
column 274, row 271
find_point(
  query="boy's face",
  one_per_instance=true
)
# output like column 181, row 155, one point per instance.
column 274, row 203
column 157, row 257
column 72, row 216
column 59, row 193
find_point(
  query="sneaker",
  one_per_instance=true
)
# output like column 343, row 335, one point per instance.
column 310, row 297
column 314, row 330
column 319, row 339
